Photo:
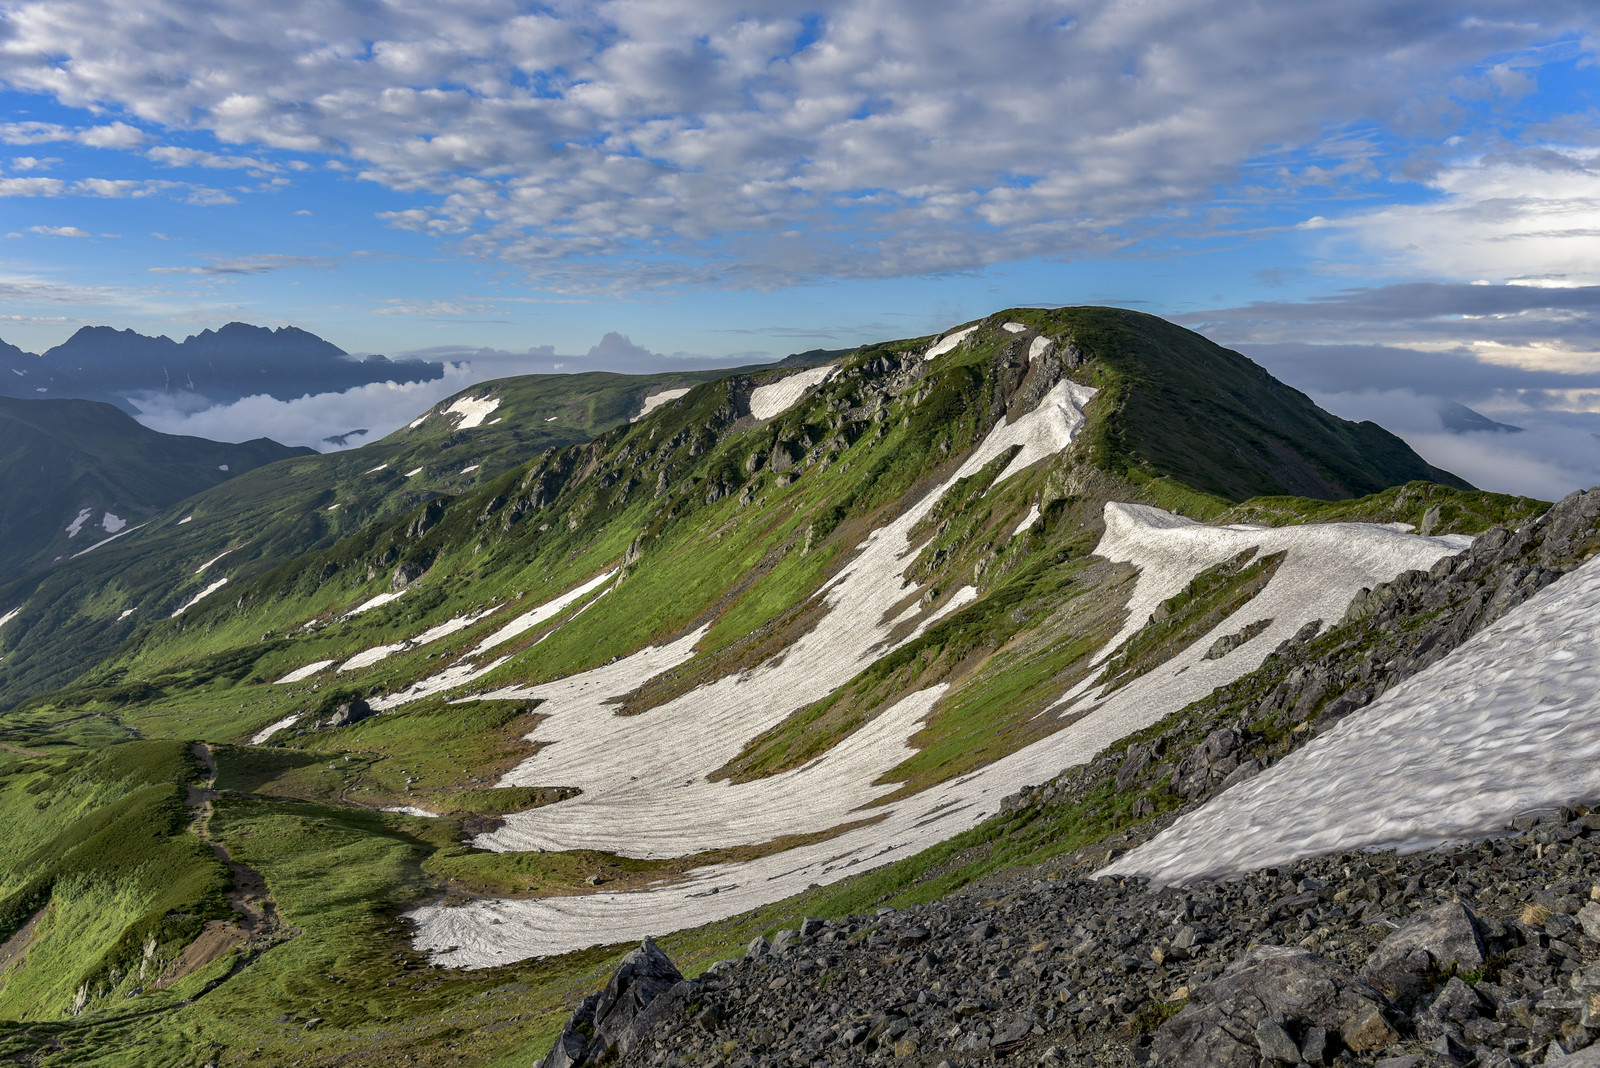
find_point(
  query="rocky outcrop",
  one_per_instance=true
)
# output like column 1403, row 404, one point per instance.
column 1041, row 967
column 645, row 988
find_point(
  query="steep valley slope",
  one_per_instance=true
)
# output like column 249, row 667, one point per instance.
column 783, row 644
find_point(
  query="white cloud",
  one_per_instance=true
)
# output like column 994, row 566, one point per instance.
column 1530, row 217
column 173, row 156
column 380, row 408
column 636, row 144
column 31, row 187
column 60, row 231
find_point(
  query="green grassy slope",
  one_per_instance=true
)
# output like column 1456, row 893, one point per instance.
column 715, row 520
column 62, row 456
column 74, row 613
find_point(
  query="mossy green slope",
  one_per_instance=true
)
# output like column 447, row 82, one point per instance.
column 61, row 457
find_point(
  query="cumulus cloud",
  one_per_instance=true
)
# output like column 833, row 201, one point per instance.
column 632, row 144
column 60, row 231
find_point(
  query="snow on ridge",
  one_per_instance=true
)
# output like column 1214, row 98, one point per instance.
column 202, row 595
column 946, row 343
column 769, row 401
column 472, row 411
column 1505, row 723
column 76, row 526
column 657, row 399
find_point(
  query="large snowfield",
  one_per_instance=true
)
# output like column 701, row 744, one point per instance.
column 1504, row 724
column 644, row 778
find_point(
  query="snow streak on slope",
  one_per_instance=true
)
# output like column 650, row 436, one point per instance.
column 528, row 620
column 300, row 674
column 769, row 401
column 202, row 595
column 260, row 737
column 656, row 400
column 9, row 616
column 1340, row 557
column 1508, row 722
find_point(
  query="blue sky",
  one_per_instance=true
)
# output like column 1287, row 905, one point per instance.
column 1333, row 189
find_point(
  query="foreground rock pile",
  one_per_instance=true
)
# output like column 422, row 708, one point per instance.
column 1486, row 955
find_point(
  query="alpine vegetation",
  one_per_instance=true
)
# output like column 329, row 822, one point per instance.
column 902, row 702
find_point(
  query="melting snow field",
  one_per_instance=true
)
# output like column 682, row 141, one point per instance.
column 644, row 778
column 767, row 402
column 472, row 411
column 656, row 400
column 1506, row 723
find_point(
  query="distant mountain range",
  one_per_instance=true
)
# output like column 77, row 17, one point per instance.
column 219, row 366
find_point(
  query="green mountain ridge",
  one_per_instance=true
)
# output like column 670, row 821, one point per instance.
column 69, row 464
column 731, row 555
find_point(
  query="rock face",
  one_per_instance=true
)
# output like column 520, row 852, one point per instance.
column 1441, row 940
column 1278, row 1003
column 1043, row 968
column 609, row 1024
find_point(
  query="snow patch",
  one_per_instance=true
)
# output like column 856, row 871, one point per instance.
column 528, row 620
column 414, row 472
column 107, row 541
column 222, row 467
column 1038, row 347
column 184, row 520
column 202, row 568
column 411, row 810
column 77, row 523
column 1014, row 328
column 202, row 595
column 946, row 343
column 471, row 468
column 657, row 399
column 126, row 612
column 301, row 674
column 1027, row 521
column 9, row 616
column 376, row 602
column 772, row 400
column 1506, row 723
column 472, row 411
column 260, row 737
column 111, row 524
column 380, row 467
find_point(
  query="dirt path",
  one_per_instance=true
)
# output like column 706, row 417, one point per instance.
column 256, row 926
